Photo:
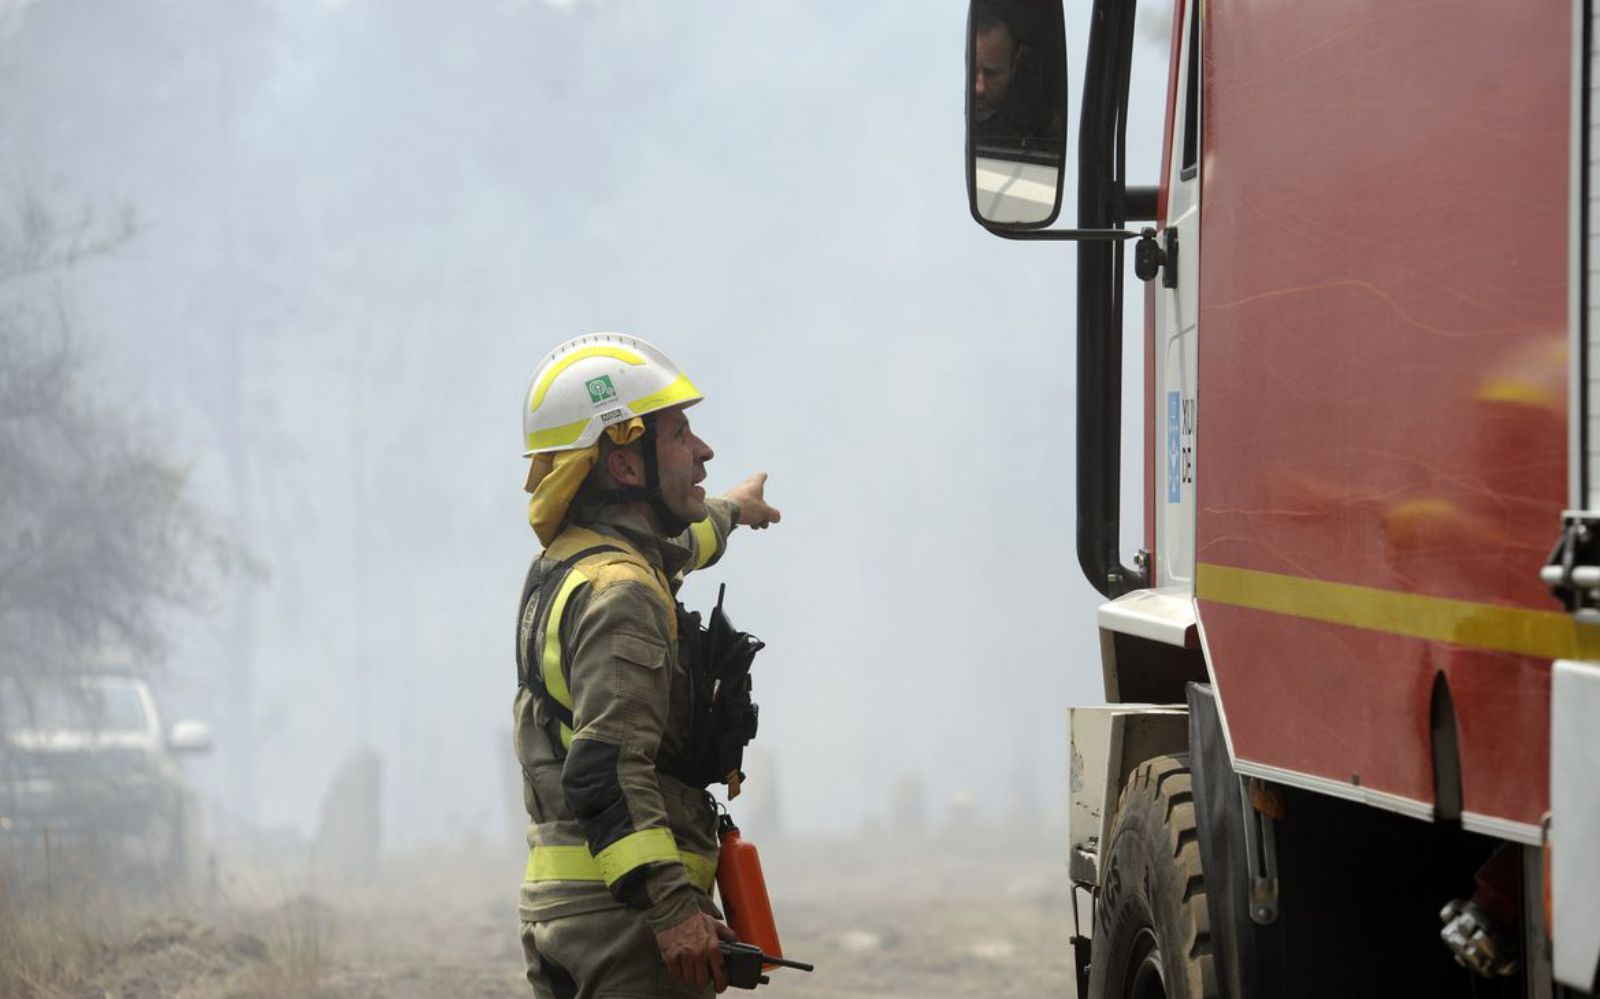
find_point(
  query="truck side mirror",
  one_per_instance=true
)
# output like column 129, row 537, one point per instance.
column 189, row 737
column 1016, row 112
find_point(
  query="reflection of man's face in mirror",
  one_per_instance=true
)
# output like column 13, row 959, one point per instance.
column 997, row 58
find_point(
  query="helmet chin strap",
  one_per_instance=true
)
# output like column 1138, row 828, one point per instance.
column 671, row 524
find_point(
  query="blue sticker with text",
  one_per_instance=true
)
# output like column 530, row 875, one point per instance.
column 1174, row 416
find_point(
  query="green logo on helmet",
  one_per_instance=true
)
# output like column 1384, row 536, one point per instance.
column 600, row 389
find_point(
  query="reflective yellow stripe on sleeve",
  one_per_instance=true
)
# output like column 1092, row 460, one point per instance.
column 575, row 863
column 647, row 846
column 555, row 681
column 705, row 541
column 702, row 870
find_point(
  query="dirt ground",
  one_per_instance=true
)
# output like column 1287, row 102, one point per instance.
column 927, row 918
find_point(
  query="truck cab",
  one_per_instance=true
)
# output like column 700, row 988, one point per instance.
column 1344, row 747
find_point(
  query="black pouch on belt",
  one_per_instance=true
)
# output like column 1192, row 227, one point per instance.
column 718, row 657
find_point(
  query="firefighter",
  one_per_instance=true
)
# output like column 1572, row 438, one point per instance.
column 623, row 837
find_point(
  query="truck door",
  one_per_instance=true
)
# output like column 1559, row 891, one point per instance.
column 1176, row 292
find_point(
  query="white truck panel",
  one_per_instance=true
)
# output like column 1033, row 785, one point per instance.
column 1575, row 822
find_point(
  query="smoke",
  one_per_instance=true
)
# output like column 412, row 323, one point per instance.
column 364, row 226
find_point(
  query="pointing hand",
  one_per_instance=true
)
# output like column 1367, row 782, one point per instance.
column 754, row 510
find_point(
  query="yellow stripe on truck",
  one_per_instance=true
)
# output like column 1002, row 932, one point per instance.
column 1543, row 634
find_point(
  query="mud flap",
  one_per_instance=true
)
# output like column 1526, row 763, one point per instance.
column 1080, row 961
column 1249, row 956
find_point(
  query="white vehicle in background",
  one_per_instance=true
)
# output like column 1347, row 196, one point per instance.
column 86, row 762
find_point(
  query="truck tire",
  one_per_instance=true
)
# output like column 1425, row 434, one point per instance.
column 1152, row 937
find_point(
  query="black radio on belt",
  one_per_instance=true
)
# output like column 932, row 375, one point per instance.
column 717, row 658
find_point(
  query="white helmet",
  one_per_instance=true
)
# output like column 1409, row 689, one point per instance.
column 593, row 381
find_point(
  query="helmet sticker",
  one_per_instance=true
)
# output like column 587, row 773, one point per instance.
column 600, row 389
column 613, row 415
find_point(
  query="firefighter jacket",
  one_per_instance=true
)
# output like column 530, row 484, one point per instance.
column 604, row 697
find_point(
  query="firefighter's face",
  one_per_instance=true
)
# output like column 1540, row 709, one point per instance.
column 996, row 66
column 681, row 463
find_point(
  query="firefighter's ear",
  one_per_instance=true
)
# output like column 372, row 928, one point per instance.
column 624, row 465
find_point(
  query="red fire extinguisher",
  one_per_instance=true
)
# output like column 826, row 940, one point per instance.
column 744, row 891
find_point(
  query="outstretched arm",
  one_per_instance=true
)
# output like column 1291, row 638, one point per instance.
column 745, row 503
column 754, row 510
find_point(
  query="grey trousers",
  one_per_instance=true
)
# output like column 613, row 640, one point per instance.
column 599, row 955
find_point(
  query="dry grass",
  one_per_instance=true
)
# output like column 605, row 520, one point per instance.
column 299, row 951
column 57, row 925
column 71, row 927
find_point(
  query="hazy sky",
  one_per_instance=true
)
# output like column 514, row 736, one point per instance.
column 362, row 223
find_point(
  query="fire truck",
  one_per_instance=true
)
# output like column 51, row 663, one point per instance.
column 1351, row 744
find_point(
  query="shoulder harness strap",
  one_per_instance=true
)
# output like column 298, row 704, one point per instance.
column 539, row 666
column 543, row 664
column 618, row 563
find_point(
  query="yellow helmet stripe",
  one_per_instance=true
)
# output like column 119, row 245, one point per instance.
column 557, row 436
column 681, row 390
column 615, row 353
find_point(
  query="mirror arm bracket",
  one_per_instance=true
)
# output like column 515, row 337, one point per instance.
column 1139, row 203
column 1065, row 235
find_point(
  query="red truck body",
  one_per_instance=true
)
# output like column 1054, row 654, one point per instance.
column 1383, row 373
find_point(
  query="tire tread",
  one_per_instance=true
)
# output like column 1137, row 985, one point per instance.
column 1157, row 802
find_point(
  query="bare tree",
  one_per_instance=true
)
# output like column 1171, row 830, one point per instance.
column 99, row 536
